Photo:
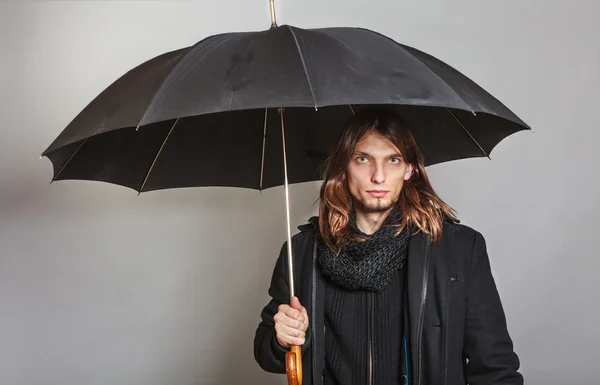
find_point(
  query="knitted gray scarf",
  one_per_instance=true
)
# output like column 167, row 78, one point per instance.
column 369, row 264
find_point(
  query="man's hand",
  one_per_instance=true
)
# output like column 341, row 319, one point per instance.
column 291, row 323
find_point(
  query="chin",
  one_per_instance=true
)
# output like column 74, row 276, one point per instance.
column 375, row 206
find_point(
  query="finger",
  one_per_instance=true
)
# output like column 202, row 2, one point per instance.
column 289, row 340
column 289, row 322
column 283, row 308
column 279, row 316
column 289, row 331
column 296, row 341
column 292, row 313
column 305, row 314
column 287, row 311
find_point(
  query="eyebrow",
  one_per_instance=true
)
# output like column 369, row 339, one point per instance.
column 362, row 153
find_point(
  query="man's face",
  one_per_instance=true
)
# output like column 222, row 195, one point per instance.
column 376, row 173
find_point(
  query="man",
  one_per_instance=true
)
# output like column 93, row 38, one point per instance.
column 391, row 288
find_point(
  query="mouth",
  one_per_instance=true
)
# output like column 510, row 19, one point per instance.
column 377, row 193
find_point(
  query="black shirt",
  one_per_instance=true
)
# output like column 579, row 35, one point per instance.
column 363, row 335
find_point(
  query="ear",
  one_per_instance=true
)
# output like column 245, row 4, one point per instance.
column 409, row 172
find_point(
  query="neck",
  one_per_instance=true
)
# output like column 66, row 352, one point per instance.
column 370, row 222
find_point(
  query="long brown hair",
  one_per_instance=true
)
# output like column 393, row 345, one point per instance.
column 422, row 209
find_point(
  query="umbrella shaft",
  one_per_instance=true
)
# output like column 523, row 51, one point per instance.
column 287, row 210
column 272, row 7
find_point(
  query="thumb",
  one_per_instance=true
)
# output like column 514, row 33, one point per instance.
column 295, row 303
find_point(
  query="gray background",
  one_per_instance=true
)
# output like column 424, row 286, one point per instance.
column 99, row 286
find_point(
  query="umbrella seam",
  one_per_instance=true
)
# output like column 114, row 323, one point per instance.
column 175, row 69
column 303, row 65
column 414, row 54
column 436, row 74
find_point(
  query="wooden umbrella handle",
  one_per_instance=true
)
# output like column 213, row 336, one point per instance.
column 293, row 365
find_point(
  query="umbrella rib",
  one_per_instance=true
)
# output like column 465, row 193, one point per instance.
column 471, row 136
column 312, row 93
column 156, row 157
column 69, row 160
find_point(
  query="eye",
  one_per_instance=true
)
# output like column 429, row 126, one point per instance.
column 395, row 160
column 362, row 159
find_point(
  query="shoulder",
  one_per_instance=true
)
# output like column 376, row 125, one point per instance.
column 310, row 226
column 458, row 235
column 462, row 246
column 301, row 241
column 306, row 236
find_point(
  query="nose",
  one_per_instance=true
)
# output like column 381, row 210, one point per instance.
column 378, row 175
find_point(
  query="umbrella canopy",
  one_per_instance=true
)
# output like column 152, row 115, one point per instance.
column 208, row 115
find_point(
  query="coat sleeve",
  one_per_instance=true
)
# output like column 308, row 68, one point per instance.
column 487, row 346
column 268, row 353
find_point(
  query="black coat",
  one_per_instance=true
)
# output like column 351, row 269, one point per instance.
column 456, row 322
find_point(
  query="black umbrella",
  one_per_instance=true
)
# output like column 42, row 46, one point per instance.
column 187, row 118
column 261, row 109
